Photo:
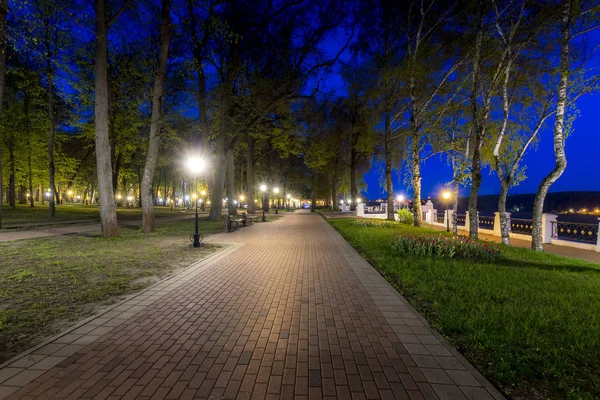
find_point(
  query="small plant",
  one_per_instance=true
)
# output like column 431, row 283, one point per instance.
column 446, row 247
column 374, row 223
column 405, row 217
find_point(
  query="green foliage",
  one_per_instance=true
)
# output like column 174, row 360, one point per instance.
column 374, row 223
column 21, row 274
column 405, row 216
column 446, row 247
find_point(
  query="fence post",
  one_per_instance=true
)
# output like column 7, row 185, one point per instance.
column 467, row 222
column 547, row 220
column 360, row 210
column 497, row 231
column 598, row 238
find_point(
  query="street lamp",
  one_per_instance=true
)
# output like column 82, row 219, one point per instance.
column 400, row 200
column 195, row 165
column 447, row 195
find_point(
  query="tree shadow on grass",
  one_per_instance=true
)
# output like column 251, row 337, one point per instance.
column 539, row 264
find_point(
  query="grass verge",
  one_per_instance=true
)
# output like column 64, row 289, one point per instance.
column 48, row 284
column 530, row 322
column 23, row 215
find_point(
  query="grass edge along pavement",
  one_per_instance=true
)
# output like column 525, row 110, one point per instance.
column 529, row 321
column 44, row 289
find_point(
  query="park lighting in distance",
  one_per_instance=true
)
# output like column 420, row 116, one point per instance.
column 195, row 164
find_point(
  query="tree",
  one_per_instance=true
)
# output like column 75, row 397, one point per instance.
column 430, row 67
column 108, row 214
column 3, row 14
column 380, row 42
column 575, row 20
column 148, row 224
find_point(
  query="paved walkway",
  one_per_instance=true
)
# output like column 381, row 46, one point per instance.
column 289, row 310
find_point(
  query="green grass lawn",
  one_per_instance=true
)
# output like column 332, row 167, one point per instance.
column 48, row 284
column 25, row 215
column 530, row 322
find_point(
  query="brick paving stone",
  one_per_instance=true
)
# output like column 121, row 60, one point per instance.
column 288, row 310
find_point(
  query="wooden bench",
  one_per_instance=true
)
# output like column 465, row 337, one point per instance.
column 233, row 223
column 248, row 219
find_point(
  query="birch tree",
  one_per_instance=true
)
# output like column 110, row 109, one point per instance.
column 428, row 74
column 577, row 18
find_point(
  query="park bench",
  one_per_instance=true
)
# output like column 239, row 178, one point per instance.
column 233, row 223
column 248, row 219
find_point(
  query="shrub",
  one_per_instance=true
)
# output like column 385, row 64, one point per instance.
column 405, row 217
column 446, row 247
column 374, row 223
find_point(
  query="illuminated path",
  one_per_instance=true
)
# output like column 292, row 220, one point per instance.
column 289, row 311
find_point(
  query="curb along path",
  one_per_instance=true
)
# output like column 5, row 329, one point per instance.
column 288, row 311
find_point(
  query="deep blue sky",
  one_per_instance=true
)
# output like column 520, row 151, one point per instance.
column 582, row 148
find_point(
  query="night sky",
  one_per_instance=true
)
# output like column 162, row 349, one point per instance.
column 582, row 147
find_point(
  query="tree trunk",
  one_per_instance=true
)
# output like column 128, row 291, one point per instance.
column 353, row 187
column 11, row 179
column 416, row 179
column 3, row 13
column 334, row 191
column 478, row 128
column 242, row 175
column 559, row 136
column 313, row 194
column 388, row 168
column 250, row 175
column 224, row 123
column 108, row 213
column 51, row 167
column 504, row 232
column 148, row 219
column 217, row 192
column 454, row 208
column 231, row 206
column 29, row 149
column 115, row 173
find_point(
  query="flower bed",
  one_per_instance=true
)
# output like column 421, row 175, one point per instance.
column 374, row 223
column 446, row 247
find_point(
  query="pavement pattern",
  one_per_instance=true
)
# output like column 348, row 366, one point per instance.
column 287, row 311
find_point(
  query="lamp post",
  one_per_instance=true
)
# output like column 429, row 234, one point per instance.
column 196, row 165
column 400, row 200
column 446, row 195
